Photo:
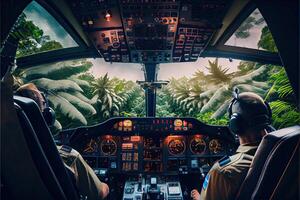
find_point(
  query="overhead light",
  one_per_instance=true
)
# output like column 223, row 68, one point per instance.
column 107, row 15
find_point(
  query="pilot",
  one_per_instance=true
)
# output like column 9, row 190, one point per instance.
column 88, row 184
column 250, row 117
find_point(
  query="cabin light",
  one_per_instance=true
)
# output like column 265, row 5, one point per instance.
column 108, row 16
column 90, row 22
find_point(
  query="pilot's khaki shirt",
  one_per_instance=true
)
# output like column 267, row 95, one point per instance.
column 224, row 179
column 88, row 184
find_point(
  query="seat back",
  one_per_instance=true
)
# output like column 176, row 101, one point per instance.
column 274, row 172
column 42, row 165
column 45, row 138
column 20, row 175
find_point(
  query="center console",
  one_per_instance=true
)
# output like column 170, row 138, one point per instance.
column 152, row 187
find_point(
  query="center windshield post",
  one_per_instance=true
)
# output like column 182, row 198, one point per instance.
column 150, row 73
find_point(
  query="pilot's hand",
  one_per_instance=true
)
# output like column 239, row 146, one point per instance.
column 104, row 191
column 195, row 194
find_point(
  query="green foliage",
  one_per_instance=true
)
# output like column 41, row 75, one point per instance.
column 284, row 114
column 207, row 118
column 63, row 89
column 217, row 74
column 50, row 45
column 31, row 38
column 210, row 93
column 245, row 67
column 283, row 104
column 266, row 41
column 243, row 30
column 117, row 97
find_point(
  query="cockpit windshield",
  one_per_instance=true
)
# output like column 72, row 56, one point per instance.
column 89, row 91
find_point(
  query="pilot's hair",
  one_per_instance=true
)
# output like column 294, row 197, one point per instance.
column 250, row 105
column 30, row 90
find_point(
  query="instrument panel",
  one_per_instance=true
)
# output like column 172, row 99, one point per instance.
column 152, row 145
column 138, row 153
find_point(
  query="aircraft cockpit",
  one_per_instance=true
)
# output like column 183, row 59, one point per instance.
column 136, row 151
column 143, row 91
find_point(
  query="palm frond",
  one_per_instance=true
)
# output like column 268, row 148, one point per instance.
column 81, row 105
column 66, row 108
column 57, row 85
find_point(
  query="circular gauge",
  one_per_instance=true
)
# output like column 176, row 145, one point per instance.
column 127, row 123
column 197, row 145
column 178, row 122
column 176, row 146
column 108, row 146
column 215, row 146
column 91, row 147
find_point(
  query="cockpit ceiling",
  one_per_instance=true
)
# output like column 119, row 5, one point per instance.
column 150, row 31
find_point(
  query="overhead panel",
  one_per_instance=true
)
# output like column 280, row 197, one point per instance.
column 150, row 31
column 150, row 28
column 102, row 21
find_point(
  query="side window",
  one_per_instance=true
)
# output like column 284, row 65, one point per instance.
column 253, row 33
column 38, row 31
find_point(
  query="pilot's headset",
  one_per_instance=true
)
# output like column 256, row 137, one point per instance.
column 48, row 112
column 238, row 123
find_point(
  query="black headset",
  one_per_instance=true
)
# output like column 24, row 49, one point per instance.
column 48, row 112
column 238, row 124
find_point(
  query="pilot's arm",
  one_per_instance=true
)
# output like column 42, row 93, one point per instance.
column 87, row 181
column 88, row 184
column 218, row 184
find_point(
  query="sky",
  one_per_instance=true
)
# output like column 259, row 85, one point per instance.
column 255, row 33
column 41, row 18
column 131, row 71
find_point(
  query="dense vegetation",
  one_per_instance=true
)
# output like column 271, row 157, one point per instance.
column 79, row 98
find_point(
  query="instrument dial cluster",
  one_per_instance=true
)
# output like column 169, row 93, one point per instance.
column 176, row 145
column 105, row 146
column 198, row 145
column 153, row 154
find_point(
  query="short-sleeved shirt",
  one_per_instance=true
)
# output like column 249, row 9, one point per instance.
column 226, row 176
column 88, row 184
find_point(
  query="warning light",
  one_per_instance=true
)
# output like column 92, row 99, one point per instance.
column 108, row 137
column 135, row 138
column 184, row 123
column 108, row 16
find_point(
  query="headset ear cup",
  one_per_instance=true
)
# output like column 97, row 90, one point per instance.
column 229, row 110
column 269, row 110
column 49, row 116
column 235, row 123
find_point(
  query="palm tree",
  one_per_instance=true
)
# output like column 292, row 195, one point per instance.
column 63, row 88
column 219, row 102
column 216, row 73
column 109, row 101
column 118, row 97
column 212, row 93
